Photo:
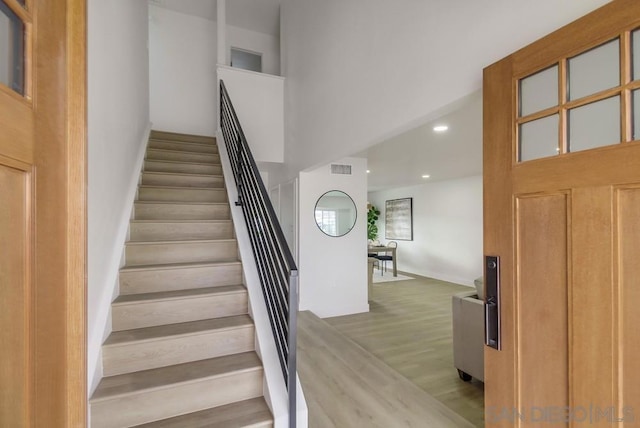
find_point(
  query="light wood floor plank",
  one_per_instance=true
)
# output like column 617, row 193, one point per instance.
column 409, row 328
column 347, row 386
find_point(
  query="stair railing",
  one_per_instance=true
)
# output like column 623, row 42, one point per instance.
column 276, row 268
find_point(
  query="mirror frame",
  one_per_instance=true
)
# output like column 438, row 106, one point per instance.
column 355, row 207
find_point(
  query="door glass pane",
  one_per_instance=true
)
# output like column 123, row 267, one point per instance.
column 635, row 40
column 539, row 138
column 594, row 70
column 594, row 125
column 11, row 49
column 636, row 115
column 539, row 91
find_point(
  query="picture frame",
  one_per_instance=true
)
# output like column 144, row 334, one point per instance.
column 398, row 219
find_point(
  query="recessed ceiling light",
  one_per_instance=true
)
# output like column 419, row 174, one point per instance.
column 426, row 176
column 440, row 128
column 368, row 171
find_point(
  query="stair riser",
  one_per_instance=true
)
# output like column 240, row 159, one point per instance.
column 170, row 136
column 148, row 314
column 184, row 147
column 180, row 399
column 159, row 179
column 189, row 252
column 176, row 350
column 182, row 195
column 184, row 168
column 183, row 156
column 157, row 280
column 181, row 212
column 161, row 231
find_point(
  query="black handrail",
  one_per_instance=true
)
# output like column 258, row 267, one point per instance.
column 276, row 267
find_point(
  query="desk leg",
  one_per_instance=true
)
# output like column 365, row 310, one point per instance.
column 395, row 265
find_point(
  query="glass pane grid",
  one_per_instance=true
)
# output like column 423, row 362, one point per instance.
column 593, row 71
column 12, row 33
column 595, row 121
column 538, row 91
column 635, row 55
column 539, row 138
column 594, row 125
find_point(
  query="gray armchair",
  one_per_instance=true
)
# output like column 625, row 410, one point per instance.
column 468, row 335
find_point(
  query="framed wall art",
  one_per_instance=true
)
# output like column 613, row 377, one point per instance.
column 398, row 219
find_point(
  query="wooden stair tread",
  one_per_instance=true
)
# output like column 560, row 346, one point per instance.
column 154, row 149
column 178, row 136
column 247, row 413
column 178, row 294
column 183, row 174
column 178, row 161
column 186, row 265
column 181, row 221
column 132, row 383
column 181, row 329
column 181, row 203
column 160, row 140
column 156, row 186
column 181, row 241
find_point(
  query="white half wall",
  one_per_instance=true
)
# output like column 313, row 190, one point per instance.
column 367, row 71
column 333, row 271
column 258, row 100
column 182, row 61
column 447, row 229
column 183, row 53
column 118, row 117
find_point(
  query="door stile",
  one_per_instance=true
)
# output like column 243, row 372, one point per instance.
column 500, row 372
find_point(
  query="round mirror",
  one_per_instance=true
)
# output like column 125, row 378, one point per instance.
column 335, row 213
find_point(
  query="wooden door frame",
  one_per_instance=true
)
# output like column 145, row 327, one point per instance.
column 500, row 112
column 59, row 385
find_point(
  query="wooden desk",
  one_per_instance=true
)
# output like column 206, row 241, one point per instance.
column 383, row 249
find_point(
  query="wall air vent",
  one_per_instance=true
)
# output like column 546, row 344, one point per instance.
column 341, row 169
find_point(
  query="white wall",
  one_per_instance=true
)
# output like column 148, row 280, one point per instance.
column 266, row 44
column 182, row 60
column 447, row 229
column 118, row 118
column 366, row 71
column 182, row 57
column 333, row 271
column 258, row 100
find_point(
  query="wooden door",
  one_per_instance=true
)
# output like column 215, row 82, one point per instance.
column 562, row 210
column 42, row 213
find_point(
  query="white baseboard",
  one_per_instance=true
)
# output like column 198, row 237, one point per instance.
column 446, row 277
column 102, row 326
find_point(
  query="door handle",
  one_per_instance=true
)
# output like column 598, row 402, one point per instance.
column 492, row 302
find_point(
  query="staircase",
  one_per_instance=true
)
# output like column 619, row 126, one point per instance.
column 182, row 350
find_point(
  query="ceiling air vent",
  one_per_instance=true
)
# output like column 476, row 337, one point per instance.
column 341, row 169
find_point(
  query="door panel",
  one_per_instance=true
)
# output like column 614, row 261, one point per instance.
column 593, row 332
column 542, row 253
column 567, row 228
column 15, row 236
